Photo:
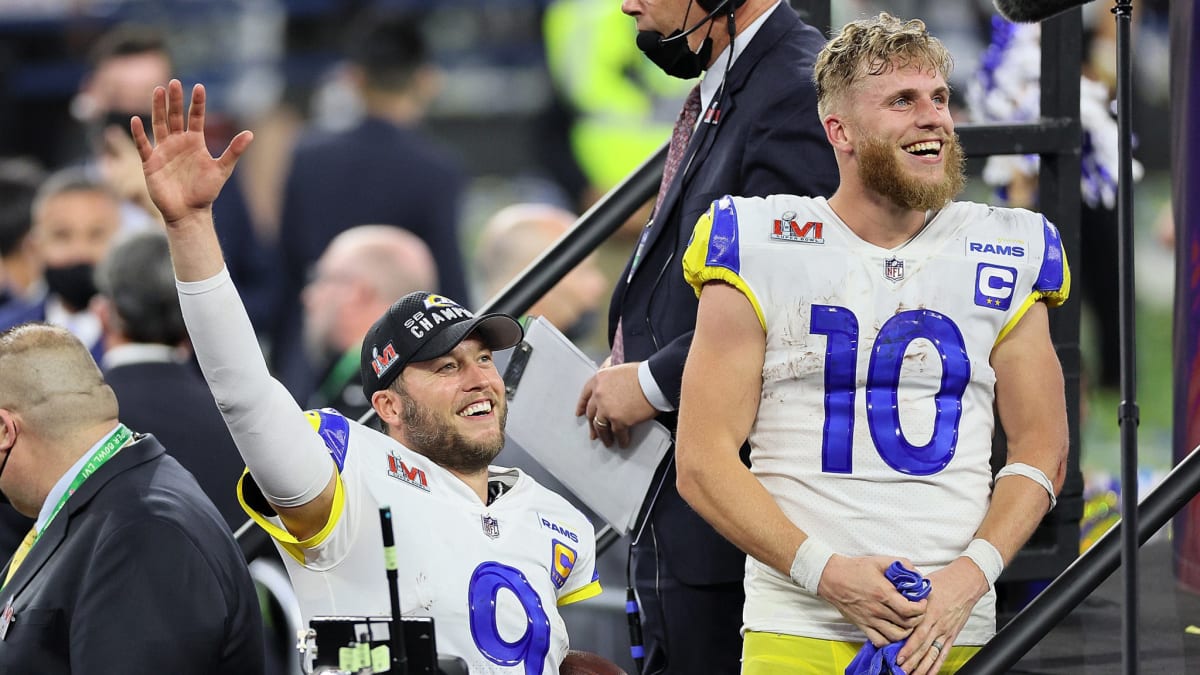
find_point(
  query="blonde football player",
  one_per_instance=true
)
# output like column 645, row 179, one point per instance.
column 859, row 344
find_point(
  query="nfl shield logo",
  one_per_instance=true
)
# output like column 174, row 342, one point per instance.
column 893, row 270
column 491, row 527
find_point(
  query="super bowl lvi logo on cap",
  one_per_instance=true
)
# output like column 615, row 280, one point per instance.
column 423, row 326
column 381, row 361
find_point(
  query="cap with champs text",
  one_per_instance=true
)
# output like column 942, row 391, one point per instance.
column 423, row 326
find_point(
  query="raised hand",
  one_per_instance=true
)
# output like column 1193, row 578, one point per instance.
column 182, row 177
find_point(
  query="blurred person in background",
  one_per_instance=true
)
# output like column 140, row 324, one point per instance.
column 514, row 237
column 20, row 269
column 382, row 168
column 75, row 219
column 125, row 64
column 361, row 273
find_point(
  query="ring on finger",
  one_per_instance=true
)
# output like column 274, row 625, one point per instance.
column 937, row 645
column 599, row 422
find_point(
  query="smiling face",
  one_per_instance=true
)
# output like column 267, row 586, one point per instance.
column 900, row 137
column 453, row 409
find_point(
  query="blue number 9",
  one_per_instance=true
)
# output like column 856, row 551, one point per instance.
column 533, row 646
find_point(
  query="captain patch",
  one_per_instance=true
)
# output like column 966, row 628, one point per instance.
column 563, row 563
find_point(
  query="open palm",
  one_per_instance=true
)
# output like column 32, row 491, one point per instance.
column 182, row 177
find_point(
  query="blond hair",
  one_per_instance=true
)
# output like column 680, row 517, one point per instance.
column 874, row 47
column 49, row 376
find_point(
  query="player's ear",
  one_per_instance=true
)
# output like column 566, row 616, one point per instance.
column 837, row 132
column 388, row 405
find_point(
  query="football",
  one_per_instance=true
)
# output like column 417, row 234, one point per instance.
column 587, row 663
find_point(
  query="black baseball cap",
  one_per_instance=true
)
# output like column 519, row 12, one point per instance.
column 422, row 326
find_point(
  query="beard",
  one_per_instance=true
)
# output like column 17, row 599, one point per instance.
column 880, row 171
column 437, row 439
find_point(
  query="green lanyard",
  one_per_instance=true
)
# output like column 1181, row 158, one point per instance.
column 338, row 376
column 111, row 445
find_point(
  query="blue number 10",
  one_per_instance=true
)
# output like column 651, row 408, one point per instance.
column 533, row 646
column 840, row 327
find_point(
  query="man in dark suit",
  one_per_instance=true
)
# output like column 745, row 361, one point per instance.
column 384, row 169
column 146, row 362
column 129, row 568
column 756, row 131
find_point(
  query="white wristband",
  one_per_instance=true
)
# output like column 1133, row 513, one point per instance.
column 809, row 564
column 985, row 555
column 1032, row 473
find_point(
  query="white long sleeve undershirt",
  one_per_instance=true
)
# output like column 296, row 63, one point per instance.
column 287, row 459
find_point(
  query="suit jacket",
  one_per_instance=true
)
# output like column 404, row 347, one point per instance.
column 374, row 173
column 769, row 140
column 171, row 400
column 136, row 574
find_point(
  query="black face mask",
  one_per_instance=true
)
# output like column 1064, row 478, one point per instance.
column 73, row 284
column 673, row 55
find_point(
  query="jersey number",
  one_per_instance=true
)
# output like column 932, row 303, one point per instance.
column 533, row 646
column 840, row 327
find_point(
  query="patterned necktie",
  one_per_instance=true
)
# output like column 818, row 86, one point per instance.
column 21, row 552
column 680, row 137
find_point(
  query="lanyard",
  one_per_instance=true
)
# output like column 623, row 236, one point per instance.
column 339, row 376
column 111, row 445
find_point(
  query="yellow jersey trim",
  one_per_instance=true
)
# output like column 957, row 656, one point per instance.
column 1052, row 299
column 590, row 591
column 295, row 547
column 697, row 272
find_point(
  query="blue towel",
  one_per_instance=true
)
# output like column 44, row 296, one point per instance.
column 872, row 660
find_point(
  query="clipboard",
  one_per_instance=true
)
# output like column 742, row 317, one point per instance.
column 543, row 378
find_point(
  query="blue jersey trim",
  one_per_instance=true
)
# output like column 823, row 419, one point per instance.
column 1050, row 276
column 334, row 430
column 723, row 240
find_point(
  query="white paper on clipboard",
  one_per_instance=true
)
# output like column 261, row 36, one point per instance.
column 611, row 481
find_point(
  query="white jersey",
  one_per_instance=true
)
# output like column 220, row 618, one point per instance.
column 487, row 573
column 491, row 575
column 874, row 429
